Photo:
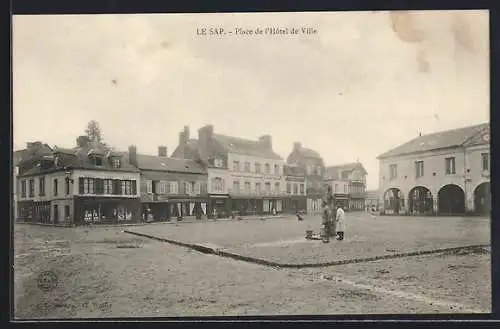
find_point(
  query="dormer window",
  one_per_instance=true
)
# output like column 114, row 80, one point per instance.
column 98, row 160
column 218, row 162
column 116, row 163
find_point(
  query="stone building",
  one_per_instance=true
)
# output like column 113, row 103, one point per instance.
column 349, row 184
column 82, row 185
column 372, row 199
column 170, row 188
column 245, row 176
column 295, row 179
column 313, row 165
column 445, row 173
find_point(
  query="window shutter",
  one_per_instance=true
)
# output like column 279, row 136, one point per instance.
column 99, row 187
column 80, row 185
column 134, row 187
column 117, row 188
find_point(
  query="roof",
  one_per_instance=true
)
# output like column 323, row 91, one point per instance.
column 439, row 140
column 303, row 152
column 332, row 172
column 294, row 170
column 156, row 163
column 76, row 158
column 309, row 153
column 245, row 147
column 17, row 156
column 187, row 151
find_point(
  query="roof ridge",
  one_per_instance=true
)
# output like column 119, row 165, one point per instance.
column 238, row 138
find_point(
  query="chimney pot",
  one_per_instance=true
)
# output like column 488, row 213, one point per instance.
column 297, row 146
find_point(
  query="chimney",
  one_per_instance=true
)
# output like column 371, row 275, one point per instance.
column 206, row 132
column 266, row 141
column 206, row 141
column 186, row 133
column 182, row 139
column 132, row 155
column 297, row 146
column 162, row 151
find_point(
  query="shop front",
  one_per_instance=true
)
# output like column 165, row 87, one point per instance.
column 272, row 206
column 195, row 208
column 106, row 210
column 219, row 206
column 292, row 204
column 342, row 200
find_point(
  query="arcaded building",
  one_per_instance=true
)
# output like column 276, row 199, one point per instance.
column 444, row 173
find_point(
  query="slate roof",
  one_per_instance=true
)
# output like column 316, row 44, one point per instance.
column 76, row 158
column 303, row 152
column 156, row 163
column 245, row 146
column 294, row 170
column 188, row 151
column 439, row 140
column 332, row 172
column 309, row 153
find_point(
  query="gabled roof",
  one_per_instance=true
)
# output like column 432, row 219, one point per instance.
column 439, row 140
column 332, row 172
column 156, row 163
column 245, row 146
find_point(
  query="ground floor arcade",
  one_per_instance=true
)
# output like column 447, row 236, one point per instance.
column 449, row 200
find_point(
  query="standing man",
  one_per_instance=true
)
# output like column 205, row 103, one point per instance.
column 340, row 224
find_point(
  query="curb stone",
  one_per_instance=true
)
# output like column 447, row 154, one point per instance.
column 259, row 261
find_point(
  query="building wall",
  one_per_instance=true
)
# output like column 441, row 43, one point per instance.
column 146, row 184
column 62, row 199
column 338, row 185
column 476, row 176
column 77, row 173
column 253, row 177
column 218, row 173
column 435, row 176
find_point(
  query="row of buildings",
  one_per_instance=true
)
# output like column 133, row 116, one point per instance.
column 211, row 176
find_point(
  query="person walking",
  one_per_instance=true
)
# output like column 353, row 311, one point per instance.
column 340, row 223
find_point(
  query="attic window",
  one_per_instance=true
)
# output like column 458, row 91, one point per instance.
column 163, row 164
column 98, row 161
column 231, row 144
column 116, row 163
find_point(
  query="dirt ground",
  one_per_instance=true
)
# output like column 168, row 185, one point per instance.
column 103, row 272
column 282, row 240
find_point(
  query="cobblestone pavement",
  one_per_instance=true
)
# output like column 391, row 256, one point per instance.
column 103, row 272
column 282, row 240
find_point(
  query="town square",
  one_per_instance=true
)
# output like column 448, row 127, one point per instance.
column 142, row 188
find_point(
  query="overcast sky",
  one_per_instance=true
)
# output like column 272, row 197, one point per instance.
column 365, row 83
